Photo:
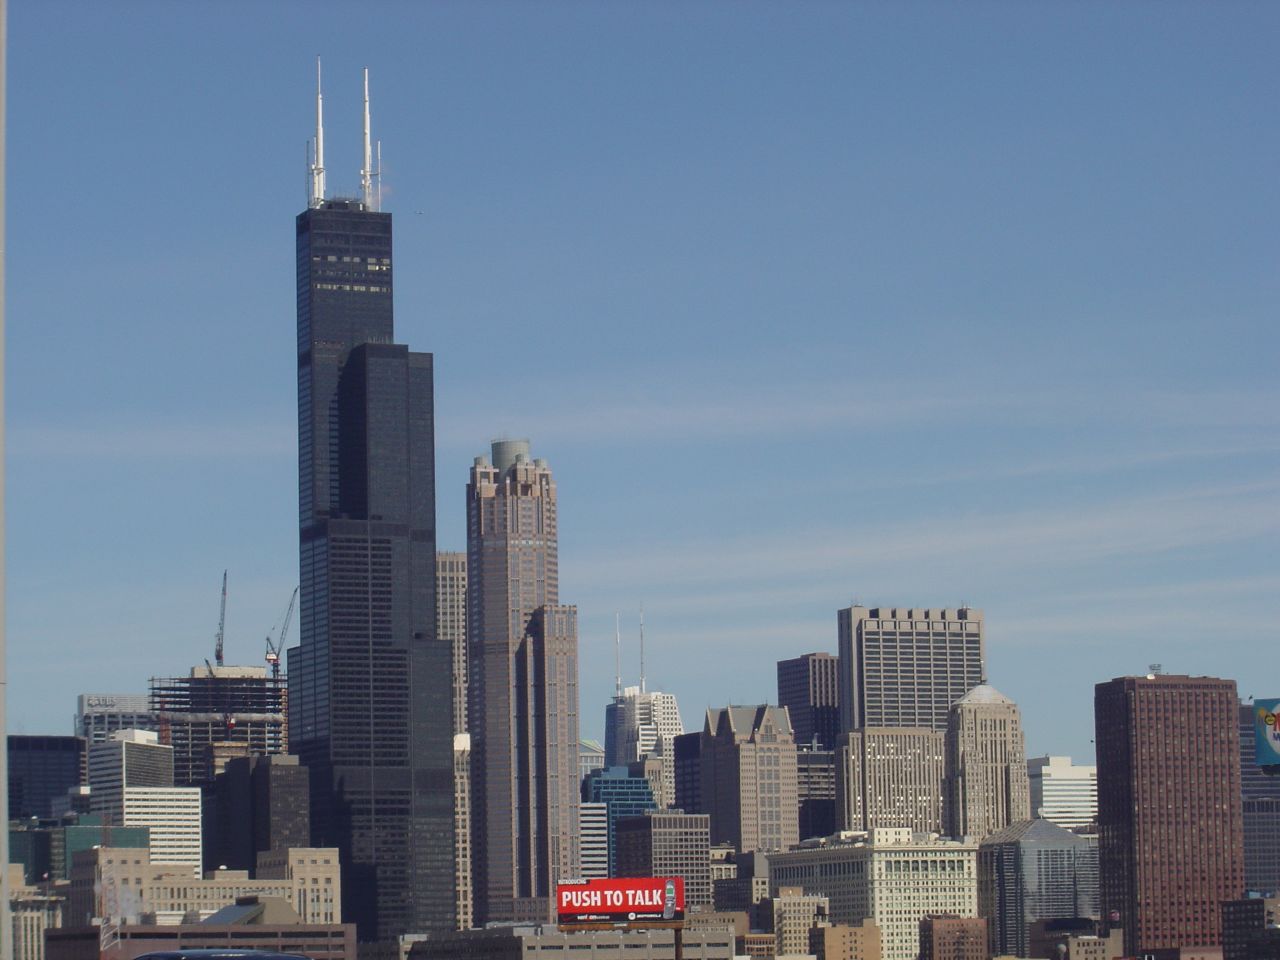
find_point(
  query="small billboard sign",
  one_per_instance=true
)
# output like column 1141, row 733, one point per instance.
column 1266, row 723
column 621, row 900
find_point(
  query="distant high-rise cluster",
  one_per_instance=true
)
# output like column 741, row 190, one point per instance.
column 418, row 779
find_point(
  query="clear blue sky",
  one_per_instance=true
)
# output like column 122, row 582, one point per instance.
column 916, row 304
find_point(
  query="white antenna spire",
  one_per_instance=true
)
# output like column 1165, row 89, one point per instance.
column 378, row 173
column 366, row 172
column 317, row 165
column 642, row 648
column 617, row 649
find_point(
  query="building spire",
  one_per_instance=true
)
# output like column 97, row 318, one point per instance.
column 317, row 161
column 366, row 172
column 642, row 690
column 617, row 650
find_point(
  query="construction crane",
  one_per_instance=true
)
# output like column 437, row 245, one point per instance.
column 222, row 622
column 273, row 649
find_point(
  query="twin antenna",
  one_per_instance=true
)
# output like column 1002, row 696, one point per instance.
column 370, row 194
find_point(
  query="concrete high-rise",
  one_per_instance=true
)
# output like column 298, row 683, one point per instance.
column 1170, row 848
column 522, row 682
column 98, row 715
column 451, row 629
column 370, row 684
column 986, row 772
column 218, row 705
column 1063, row 792
column 748, row 778
column 904, row 667
column 664, row 844
column 890, row 777
column 809, row 687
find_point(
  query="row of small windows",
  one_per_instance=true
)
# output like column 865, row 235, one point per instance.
column 353, row 287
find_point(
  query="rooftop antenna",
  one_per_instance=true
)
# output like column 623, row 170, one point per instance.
column 378, row 173
column 642, row 648
column 317, row 165
column 366, row 172
column 617, row 649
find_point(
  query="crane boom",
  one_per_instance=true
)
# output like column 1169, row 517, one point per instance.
column 273, row 649
column 222, row 622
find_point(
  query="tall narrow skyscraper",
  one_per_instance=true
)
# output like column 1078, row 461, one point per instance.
column 1170, row 849
column 523, row 688
column 370, row 685
column 986, row 771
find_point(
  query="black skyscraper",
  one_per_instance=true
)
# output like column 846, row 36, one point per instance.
column 370, row 700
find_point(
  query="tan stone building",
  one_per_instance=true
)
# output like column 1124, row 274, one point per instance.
column 316, row 878
column 891, row 875
column 838, row 941
column 986, row 774
column 748, row 778
column 953, row 938
column 794, row 914
column 522, row 683
column 890, row 777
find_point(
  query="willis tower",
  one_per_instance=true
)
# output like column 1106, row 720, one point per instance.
column 370, row 696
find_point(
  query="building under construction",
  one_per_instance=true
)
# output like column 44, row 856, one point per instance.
column 216, row 712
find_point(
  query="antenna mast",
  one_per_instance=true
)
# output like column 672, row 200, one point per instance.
column 642, row 648
column 222, row 622
column 366, row 172
column 617, row 651
column 317, row 165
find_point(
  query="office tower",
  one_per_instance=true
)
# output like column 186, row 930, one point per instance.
column 638, row 724
column 624, row 795
column 986, row 770
column 891, row 875
column 41, row 771
column 903, row 667
column 665, row 844
column 593, row 830
column 463, row 888
column 838, row 941
column 1260, row 788
column 1251, row 929
column 658, row 769
column 1063, row 792
column 590, row 757
column 370, row 684
column 1169, row 835
column 687, row 750
column 451, row 626
column 816, row 791
column 217, row 705
column 748, row 778
column 523, row 684
column 262, row 803
column 809, row 687
column 316, row 877
column 130, row 758
column 451, row 629
column 890, row 777
column 1031, row 871
column 98, row 715
column 793, row 914
column 953, row 938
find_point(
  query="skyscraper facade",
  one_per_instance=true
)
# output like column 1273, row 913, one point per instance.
column 1031, row 871
column 748, row 778
column 664, row 844
column 451, row 626
column 370, row 684
column 1063, row 792
column 1260, row 787
column 624, row 794
column 902, row 667
column 41, row 771
column 1170, row 848
column 809, row 687
column 890, row 777
column 523, row 686
column 986, row 770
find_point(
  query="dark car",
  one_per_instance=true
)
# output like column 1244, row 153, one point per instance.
column 220, row 954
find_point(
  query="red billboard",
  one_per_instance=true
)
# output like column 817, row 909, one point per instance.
column 621, row 900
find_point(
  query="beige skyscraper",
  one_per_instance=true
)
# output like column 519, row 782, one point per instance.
column 890, row 777
column 451, row 628
column 522, row 689
column 748, row 778
column 986, row 777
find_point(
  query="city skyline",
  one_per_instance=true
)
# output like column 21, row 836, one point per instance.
column 1071, row 415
